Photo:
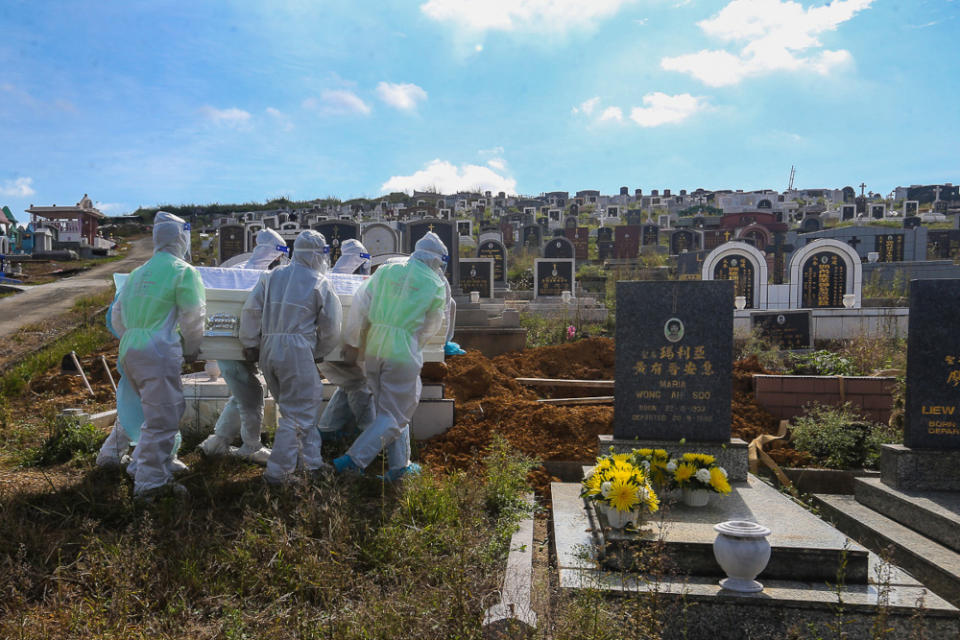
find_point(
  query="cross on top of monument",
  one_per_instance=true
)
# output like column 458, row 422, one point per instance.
column 854, row 241
column 430, row 226
column 862, row 187
column 936, row 193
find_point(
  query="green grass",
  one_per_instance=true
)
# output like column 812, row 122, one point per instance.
column 342, row 558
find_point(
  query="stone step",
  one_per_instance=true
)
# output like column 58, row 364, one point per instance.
column 935, row 514
column 931, row 563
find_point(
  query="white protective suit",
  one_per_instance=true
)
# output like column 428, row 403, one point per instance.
column 243, row 413
column 393, row 315
column 160, row 295
column 293, row 316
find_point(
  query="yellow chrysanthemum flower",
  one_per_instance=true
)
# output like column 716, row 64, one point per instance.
column 684, row 472
column 603, row 463
column 700, row 459
column 592, row 485
column 643, row 453
column 620, row 458
column 623, row 496
column 719, row 481
column 660, row 454
column 623, row 475
column 650, row 500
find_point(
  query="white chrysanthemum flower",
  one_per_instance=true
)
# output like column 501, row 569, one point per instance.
column 723, row 471
column 606, row 488
column 672, row 466
column 703, row 476
column 642, row 493
column 646, row 465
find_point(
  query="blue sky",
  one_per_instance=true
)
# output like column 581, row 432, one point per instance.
column 141, row 103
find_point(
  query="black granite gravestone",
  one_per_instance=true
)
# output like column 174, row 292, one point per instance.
column 739, row 269
column 848, row 211
column 824, row 281
column 335, row 232
column 532, row 238
column 476, row 275
column 811, row 224
column 604, row 250
column 463, row 227
column 911, row 222
column 681, row 241
column 495, row 250
column 889, row 246
column 690, row 264
column 558, row 247
column 553, row 277
column 787, row 329
column 232, row 241
column 650, row 234
column 932, row 411
column 446, row 231
column 673, row 361
column 943, row 244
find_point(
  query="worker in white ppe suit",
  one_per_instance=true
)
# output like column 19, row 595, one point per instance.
column 126, row 430
column 352, row 402
column 159, row 296
column 289, row 322
column 393, row 315
column 243, row 413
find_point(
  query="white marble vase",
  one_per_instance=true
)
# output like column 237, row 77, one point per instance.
column 742, row 551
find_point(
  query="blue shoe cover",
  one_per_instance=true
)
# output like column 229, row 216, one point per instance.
column 344, row 463
column 395, row 475
column 453, row 349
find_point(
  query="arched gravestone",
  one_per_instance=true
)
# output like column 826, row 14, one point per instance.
column 739, row 269
column 335, row 233
column 446, row 231
column 824, row 280
column 496, row 250
column 558, row 248
column 571, row 222
column 682, row 240
column 380, row 239
column 811, row 224
column 532, row 237
column 232, row 240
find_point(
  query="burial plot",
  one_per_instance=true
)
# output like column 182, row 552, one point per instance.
column 336, row 232
column 932, row 418
column 741, row 271
column 498, row 252
column 824, row 281
column 552, row 277
column 580, row 237
column 446, row 231
column 650, row 234
column 889, row 246
column 532, row 238
column 476, row 274
column 673, row 361
column 788, row 329
column 232, row 241
column 380, row 239
column 558, row 247
column 626, row 242
column 682, row 241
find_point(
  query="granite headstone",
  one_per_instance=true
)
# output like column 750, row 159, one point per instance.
column 232, row 241
column 558, row 247
column 553, row 277
column 787, row 329
column 495, row 250
column 673, row 361
column 476, row 274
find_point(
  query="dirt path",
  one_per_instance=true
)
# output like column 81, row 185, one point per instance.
column 48, row 300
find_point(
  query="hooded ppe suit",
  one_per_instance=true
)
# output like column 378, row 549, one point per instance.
column 158, row 296
column 243, row 413
column 293, row 315
column 393, row 315
column 352, row 399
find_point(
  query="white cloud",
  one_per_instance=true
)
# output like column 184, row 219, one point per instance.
column 17, row 188
column 401, row 96
column 587, row 106
column 282, row 119
column 660, row 108
column 338, row 102
column 614, row 114
column 547, row 16
column 498, row 164
column 445, row 177
column 773, row 35
column 111, row 207
column 233, row 117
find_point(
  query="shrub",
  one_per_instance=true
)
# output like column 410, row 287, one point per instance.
column 821, row 363
column 839, row 438
column 70, row 439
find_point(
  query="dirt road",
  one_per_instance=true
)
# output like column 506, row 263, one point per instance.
column 47, row 300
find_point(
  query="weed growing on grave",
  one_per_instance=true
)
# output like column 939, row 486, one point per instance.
column 839, row 438
column 755, row 343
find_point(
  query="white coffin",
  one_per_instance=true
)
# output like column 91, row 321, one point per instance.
column 222, row 322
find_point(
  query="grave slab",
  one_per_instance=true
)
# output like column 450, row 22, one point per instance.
column 935, row 514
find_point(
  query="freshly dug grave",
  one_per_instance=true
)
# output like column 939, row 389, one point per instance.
column 489, row 401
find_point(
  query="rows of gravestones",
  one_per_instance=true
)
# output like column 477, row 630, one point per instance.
column 691, row 241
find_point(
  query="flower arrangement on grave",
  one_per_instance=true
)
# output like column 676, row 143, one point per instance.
column 654, row 463
column 618, row 484
column 694, row 471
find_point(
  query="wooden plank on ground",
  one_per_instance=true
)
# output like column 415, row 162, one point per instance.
column 570, row 401
column 559, row 382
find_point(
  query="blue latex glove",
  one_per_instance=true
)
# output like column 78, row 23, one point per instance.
column 453, row 349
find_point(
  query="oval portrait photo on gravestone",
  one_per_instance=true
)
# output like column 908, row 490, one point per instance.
column 673, row 330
